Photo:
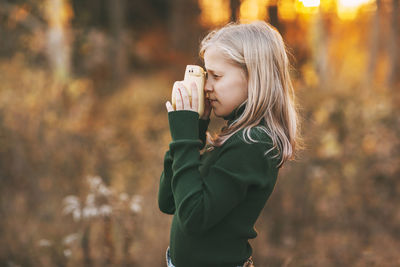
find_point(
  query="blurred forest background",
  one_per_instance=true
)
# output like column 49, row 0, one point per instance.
column 83, row 129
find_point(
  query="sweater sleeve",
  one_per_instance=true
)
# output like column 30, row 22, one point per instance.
column 201, row 202
column 203, row 126
column 165, row 197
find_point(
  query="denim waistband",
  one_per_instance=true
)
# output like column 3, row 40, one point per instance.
column 168, row 257
column 169, row 261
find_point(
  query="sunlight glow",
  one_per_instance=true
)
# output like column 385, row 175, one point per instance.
column 253, row 10
column 214, row 12
column 348, row 9
column 307, row 7
column 328, row 6
column 286, row 10
column 59, row 13
column 217, row 12
column 310, row 3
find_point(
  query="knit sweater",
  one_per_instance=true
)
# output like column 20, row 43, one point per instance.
column 215, row 197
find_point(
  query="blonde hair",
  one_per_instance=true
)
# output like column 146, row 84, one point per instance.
column 261, row 52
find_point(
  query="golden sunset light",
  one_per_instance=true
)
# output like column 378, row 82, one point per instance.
column 127, row 126
column 310, row 3
column 348, row 9
column 253, row 9
column 214, row 12
column 217, row 12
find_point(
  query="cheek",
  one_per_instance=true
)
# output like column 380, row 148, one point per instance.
column 231, row 87
column 239, row 86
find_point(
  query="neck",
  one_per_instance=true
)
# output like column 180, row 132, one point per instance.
column 235, row 113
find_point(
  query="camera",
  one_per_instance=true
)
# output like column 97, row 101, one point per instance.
column 195, row 74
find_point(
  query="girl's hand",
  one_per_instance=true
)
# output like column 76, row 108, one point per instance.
column 183, row 101
column 207, row 109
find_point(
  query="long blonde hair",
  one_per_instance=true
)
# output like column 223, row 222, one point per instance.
column 260, row 50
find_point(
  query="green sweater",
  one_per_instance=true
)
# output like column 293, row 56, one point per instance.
column 216, row 197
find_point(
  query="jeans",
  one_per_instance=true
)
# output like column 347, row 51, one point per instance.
column 169, row 262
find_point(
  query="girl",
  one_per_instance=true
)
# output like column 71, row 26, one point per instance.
column 216, row 196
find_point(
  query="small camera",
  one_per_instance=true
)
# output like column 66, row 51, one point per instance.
column 195, row 74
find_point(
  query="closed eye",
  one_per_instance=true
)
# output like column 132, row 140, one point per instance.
column 212, row 74
column 215, row 76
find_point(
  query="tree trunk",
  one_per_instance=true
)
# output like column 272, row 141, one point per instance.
column 318, row 45
column 272, row 11
column 273, row 17
column 118, row 48
column 373, row 46
column 235, row 5
column 184, row 27
column 59, row 14
column 393, row 77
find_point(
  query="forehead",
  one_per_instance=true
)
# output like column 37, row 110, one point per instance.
column 215, row 59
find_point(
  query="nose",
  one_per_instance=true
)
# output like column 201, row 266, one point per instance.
column 208, row 86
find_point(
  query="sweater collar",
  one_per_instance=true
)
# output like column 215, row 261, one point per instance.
column 235, row 113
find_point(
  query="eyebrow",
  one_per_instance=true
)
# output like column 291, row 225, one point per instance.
column 210, row 70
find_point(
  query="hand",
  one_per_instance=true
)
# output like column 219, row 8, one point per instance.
column 182, row 98
column 207, row 109
column 183, row 101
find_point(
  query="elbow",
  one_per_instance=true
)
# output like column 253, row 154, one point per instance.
column 169, row 211
column 166, row 207
column 191, row 225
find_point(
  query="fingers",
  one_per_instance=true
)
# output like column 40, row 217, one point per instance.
column 185, row 97
column 179, row 104
column 179, row 100
column 169, row 106
column 195, row 97
column 182, row 99
column 175, row 93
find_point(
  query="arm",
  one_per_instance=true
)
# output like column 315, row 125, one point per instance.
column 165, row 197
column 204, row 201
column 203, row 126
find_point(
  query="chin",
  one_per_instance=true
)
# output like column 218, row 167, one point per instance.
column 216, row 114
column 219, row 115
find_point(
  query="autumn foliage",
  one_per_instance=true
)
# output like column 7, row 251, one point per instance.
column 81, row 148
